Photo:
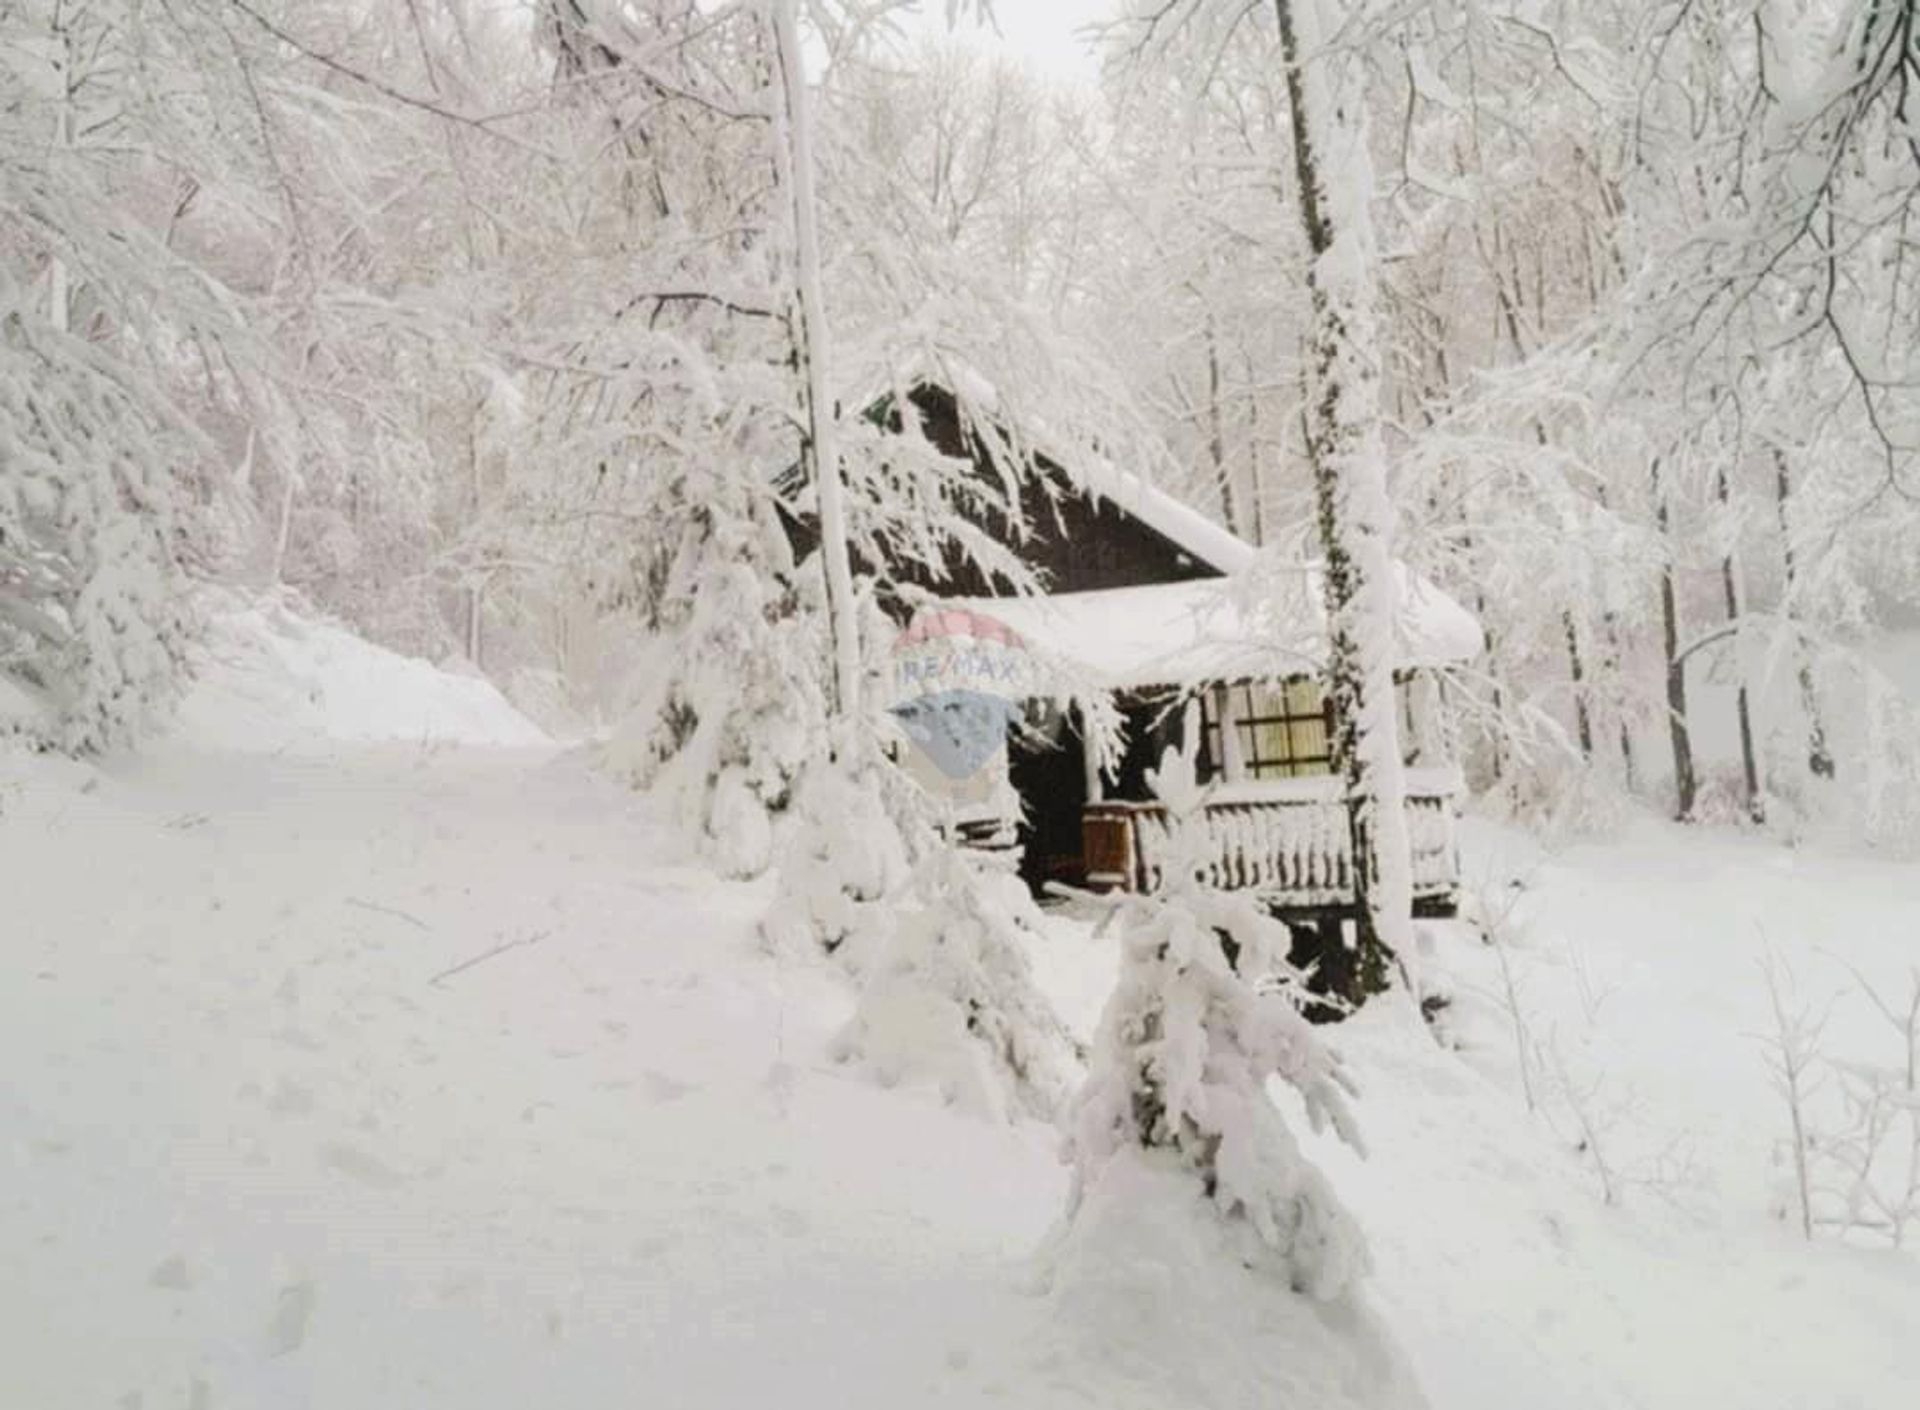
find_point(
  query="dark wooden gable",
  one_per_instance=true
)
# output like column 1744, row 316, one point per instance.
column 1079, row 544
column 1076, row 543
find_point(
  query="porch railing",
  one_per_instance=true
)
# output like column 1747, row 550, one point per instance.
column 1293, row 847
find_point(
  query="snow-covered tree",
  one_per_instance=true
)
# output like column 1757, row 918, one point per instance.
column 1206, row 1011
column 947, row 994
column 1343, row 440
column 91, row 628
column 100, row 320
column 1347, row 452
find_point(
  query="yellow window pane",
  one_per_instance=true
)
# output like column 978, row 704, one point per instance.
column 1271, row 740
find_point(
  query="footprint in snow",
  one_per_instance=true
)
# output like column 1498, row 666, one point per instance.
column 351, row 1161
column 660, row 1089
column 290, row 1099
column 287, row 1333
column 248, row 1373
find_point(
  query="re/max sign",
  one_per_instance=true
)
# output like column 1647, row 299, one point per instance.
column 977, row 666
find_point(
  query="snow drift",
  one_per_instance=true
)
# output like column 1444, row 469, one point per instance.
column 270, row 675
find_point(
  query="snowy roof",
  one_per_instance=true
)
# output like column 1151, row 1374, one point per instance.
column 1187, row 633
column 1183, row 525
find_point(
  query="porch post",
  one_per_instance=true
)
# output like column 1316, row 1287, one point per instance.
column 1233, row 765
column 1096, row 788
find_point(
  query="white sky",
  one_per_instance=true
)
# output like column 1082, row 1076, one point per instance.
column 1038, row 31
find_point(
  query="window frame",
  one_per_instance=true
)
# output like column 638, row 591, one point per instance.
column 1235, row 701
column 1256, row 733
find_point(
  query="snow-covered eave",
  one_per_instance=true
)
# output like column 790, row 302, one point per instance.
column 1190, row 634
column 1181, row 524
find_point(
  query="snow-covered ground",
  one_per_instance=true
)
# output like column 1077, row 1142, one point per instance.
column 378, row 1073
column 1638, row 972
column 271, row 676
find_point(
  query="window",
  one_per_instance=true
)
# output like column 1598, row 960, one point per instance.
column 1284, row 729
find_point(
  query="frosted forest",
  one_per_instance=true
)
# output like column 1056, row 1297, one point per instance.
column 1025, row 703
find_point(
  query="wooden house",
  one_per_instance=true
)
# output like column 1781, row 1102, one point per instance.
column 1139, row 604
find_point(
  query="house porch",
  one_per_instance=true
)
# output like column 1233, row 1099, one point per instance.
column 1287, row 842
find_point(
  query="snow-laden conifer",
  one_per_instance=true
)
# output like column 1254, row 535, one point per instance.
column 90, row 622
column 948, row 995
column 1204, row 1015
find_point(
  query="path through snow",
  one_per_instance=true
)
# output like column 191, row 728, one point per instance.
column 380, row 1075
column 262, row 1157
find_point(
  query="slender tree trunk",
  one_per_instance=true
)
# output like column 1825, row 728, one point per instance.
column 794, row 154
column 59, row 290
column 1611, row 669
column 1629, row 772
column 1509, row 304
column 1730, row 586
column 1684, row 784
column 283, row 531
column 1350, row 483
column 1577, row 669
column 1217, row 433
column 476, row 590
column 59, row 295
column 1819, row 756
column 1497, row 761
column 1256, row 483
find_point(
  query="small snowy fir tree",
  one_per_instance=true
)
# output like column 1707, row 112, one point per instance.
column 731, row 699
column 844, row 862
column 1202, row 1016
column 950, row 996
column 936, row 942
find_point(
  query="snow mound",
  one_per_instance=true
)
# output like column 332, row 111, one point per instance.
column 1149, row 1281
column 270, row 676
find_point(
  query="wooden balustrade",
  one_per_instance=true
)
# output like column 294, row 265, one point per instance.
column 1294, row 850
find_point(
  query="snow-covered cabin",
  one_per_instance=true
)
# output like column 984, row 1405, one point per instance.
column 1143, row 603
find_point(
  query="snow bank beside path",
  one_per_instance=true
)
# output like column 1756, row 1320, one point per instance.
column 271, row 677
column 399, row 1080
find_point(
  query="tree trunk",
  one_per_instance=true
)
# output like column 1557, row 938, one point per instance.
column 1350, row 485
column 794, row 155
column 59, row 290
column 1629, row 774
column 1577, row 669
column 1611, row 670
column 476, row 589
column 1819, row 756
column 283, row 530
column 1730, row 586
column 1217, row 434
column 1684, row 784
column 1497, row 761
column 1256, row 482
